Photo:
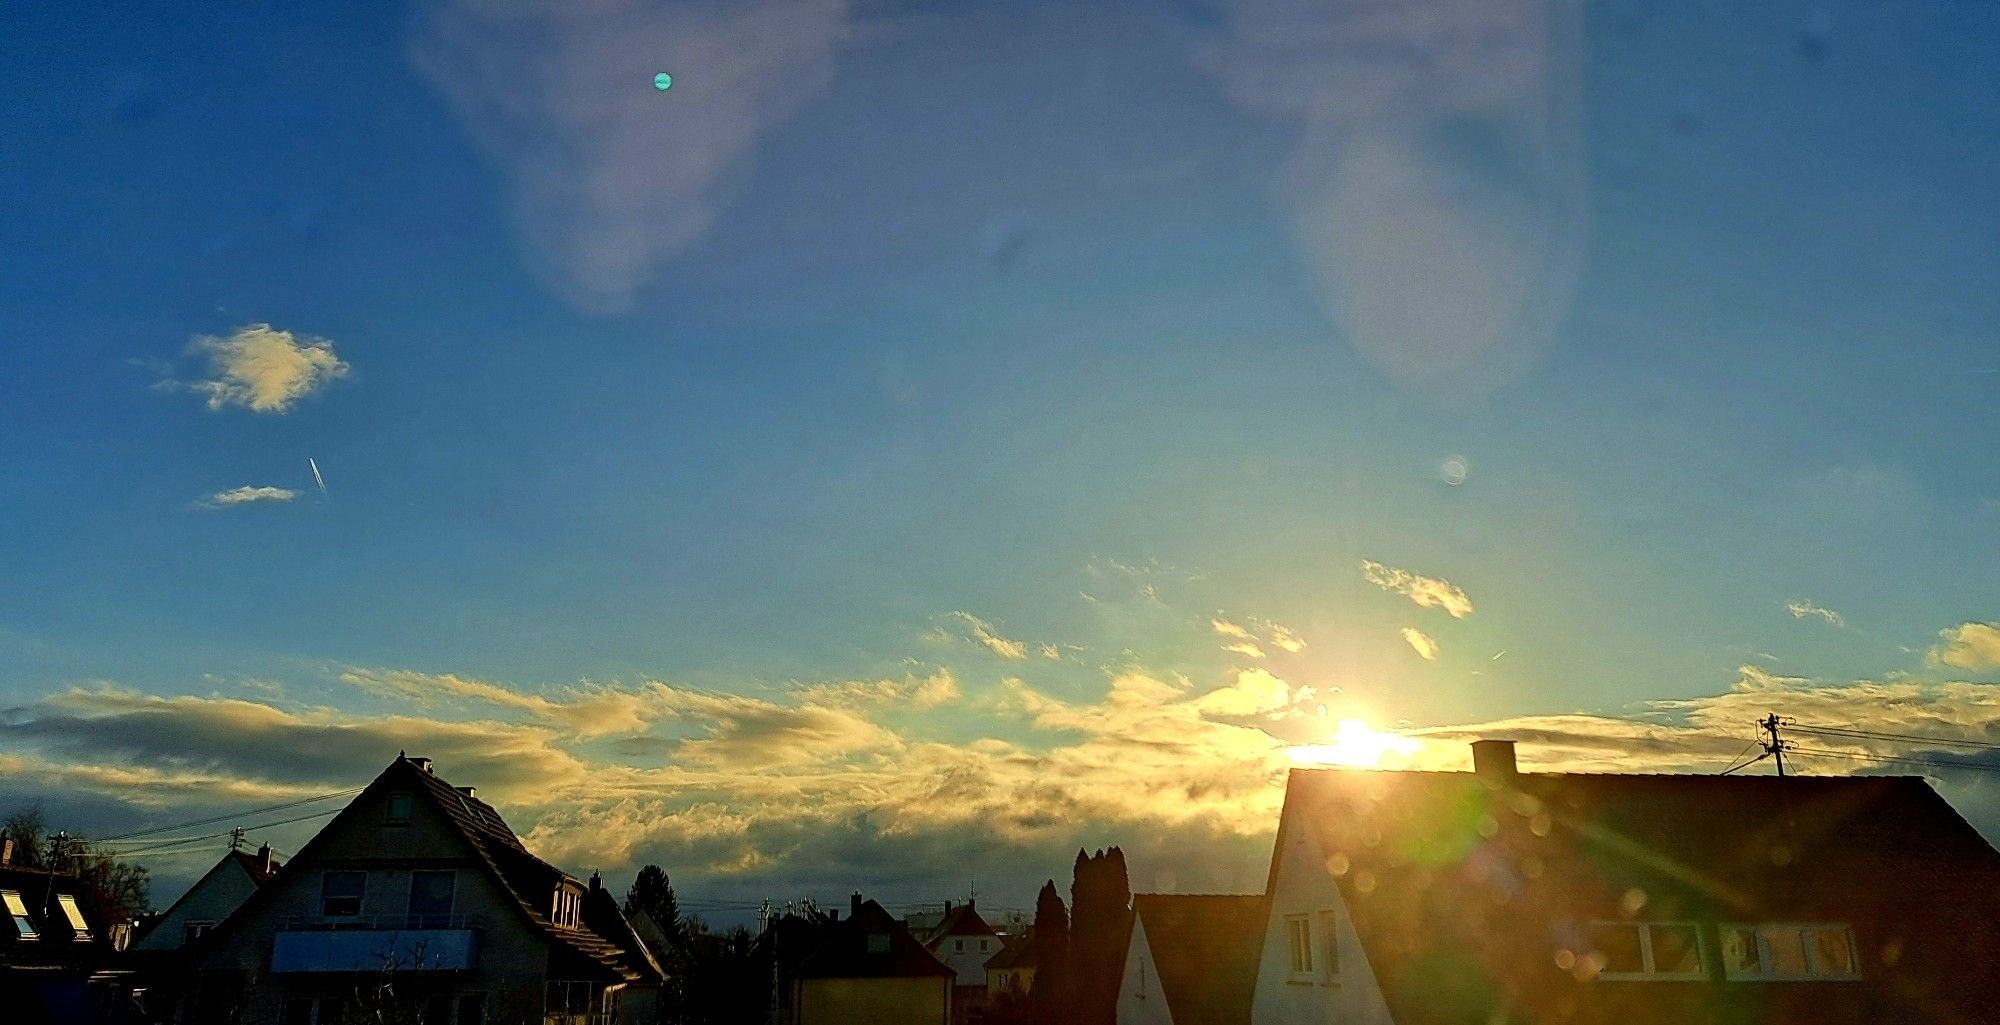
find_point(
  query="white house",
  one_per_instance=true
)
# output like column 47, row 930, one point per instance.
column 1191, row 959
column 220, row 891
column 1458, row 898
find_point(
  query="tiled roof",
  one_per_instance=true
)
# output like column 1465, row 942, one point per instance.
column 254, row 866
column 1015, row 952
column 961, row 920
column 1205, row 949
column 1473, row 896
column 844, row 951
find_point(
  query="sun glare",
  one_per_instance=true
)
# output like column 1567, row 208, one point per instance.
column 1355, row 743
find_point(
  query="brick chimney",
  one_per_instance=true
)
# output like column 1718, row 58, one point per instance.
column 468, row 791
column 422, row 764
column 1494, row 760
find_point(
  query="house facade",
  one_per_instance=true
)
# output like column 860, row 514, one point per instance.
column 418, row 899
column 1191, row 960
column 964, row 942
column 213, row 897
column 869, row 968
column 1427, row 898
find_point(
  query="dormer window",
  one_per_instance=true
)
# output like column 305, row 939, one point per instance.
column 878, row 943
column 397, row 812
column 1776, row 952
column 1632, row 951
column 24, row 927
column 77, row 925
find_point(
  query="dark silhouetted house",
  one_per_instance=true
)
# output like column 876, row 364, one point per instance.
column 1192, row 959
column 1012, row 970
column 964, row 942
column 213, row 897
column 869, row 968
column 417, row 899
column 1454, row 898
column 57, row 960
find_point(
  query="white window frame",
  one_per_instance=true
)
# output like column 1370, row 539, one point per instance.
column 17, row 912
column 1299, row 947
column 360, row 900
column 1329, row 930
column 73, row 913
column 1647, row 973
column 1806, row 931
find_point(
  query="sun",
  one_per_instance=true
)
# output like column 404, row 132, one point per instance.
column 1355, row 743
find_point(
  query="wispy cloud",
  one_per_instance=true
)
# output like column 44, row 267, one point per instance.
column 1427, row 592
column 1422, row 643
column 262, row 369
column 1807, row 610
column 248, row 495
column 1287, row 639
column 609, row 177
column 984, row 634
column 1970, row 646
column 1229, row 629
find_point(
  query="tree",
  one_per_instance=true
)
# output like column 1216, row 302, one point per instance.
column 653, row 893
column 27, row 829
column 116, row 891
column 1100, row 905
column 1049, row 989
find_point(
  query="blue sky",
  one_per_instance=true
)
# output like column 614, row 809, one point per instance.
column 1092, row 327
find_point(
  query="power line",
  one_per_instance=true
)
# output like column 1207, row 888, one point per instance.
column 1928, row 762
column 232, row 815
column 1743, row 765
column 1843, row 731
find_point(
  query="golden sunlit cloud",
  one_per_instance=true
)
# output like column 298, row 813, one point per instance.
column 1425, row 645
column 1427, row 592
column 1974, row 646
column 1356, row 744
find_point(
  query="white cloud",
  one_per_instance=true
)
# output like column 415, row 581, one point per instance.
column 1425, row 591
column 1248, row 648
column 1807, row 610
column 263, row 369
column 1422, row 643
column 1970, row 646
column 984, row 634
column 247, row 495
column 608, row 176
column 1287, row 639
column 1229, row 629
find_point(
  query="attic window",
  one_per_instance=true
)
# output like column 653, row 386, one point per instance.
column 1778, row 952
column 878, row 943
column 70, row 911
column 398, row 810
column 23, row 926
column 1647, row 951
column 1298, row 941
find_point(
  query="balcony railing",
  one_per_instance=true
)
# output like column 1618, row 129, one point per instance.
column 403, row 943
column 295, row 923
column 567, row 1018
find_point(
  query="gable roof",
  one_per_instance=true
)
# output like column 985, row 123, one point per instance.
column 1015, row 952
column 249, row 864
column 1473, row 894
column 1205, row 949
column 509, row 864
column 843, row 952
column 961, row 920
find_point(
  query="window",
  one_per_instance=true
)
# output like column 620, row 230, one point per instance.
column 566, row 904
column 982, row 946
column 398, row 810
column 430, row 898
column 958, row 946
column 340, row 894
column 1647, row 950
column 194, row 931
column 878, row 943
column 1298, row 935
column 74, row 914
column 1784, row 951
column 1329, row 934
column 23, row 926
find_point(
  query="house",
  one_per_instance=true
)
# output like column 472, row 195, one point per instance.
column 964, row 942
column 418, row 899
column 1012, row 968
column 869, row 968
column 58, row 961
column 213, row 897
column 1191, row 959
column 1453, row 898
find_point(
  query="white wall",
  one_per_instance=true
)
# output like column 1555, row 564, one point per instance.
column 213, row 897
column 1305, row 886
column 1140, row 999
column 970, row 963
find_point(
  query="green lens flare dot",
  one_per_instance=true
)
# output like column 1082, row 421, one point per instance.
column 663, row 81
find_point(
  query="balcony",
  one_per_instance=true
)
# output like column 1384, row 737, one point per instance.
column 423, row 943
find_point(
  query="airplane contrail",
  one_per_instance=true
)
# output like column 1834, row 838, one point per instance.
column 317, row 479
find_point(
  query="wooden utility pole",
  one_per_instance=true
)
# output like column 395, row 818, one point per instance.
column 1775, row 747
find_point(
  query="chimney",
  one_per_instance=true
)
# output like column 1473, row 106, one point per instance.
column 854, row 905
column 422, row 764
column 264, row 859
column 468, row 791
column 1493, row 759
